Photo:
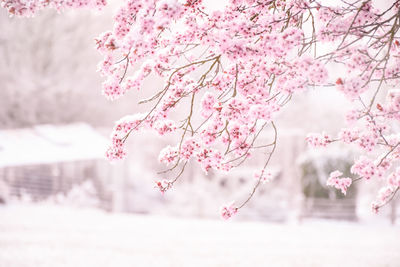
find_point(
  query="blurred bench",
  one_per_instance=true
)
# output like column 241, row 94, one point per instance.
column 339, row 209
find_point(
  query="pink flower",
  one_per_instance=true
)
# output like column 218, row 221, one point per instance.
column 384, row 194
column 169, row 155
column 353, row 87
column 394, row 178
column 188, row 148
column 394, row 100
column 364, row 167
column 112, row 89
column 375, row 207
column 339, row 183
column 163, row 185
column 349, row 135
column 164, row 126
column 368, row 141
column 264, row 176
column 228, row 211
column 116, row 151
column 207, row 104
column 318, row 140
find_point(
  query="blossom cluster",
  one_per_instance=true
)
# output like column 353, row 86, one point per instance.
column 319, row 140
column 339, row 183
column 163, row 185
column 122, row 129
column 264, row 176
column 227, row 211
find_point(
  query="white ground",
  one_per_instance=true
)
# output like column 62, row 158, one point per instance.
column 49, row 236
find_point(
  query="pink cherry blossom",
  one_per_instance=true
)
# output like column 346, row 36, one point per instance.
column 319, row 140
column 263, row 176
column 339, row 183
column 364, row 167
column 227, row 211
column 163, row 185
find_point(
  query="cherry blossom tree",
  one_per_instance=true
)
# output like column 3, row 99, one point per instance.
column 228, row 71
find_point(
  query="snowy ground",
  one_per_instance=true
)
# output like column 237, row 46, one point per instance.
column 44, row 236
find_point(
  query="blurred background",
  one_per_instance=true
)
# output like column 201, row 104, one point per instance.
column 63, row 204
